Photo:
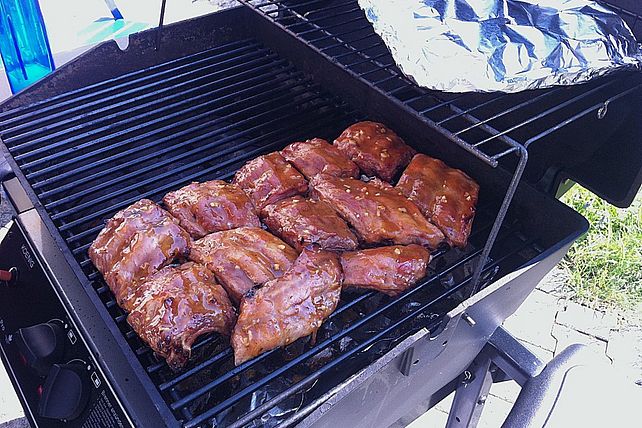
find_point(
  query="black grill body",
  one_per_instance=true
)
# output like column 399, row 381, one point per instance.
column 114, row 126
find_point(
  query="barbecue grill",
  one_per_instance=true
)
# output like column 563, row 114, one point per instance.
column 197, row 100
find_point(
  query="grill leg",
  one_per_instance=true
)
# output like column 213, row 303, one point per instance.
column 502, row 352
column 471, row 394
column 513, row 358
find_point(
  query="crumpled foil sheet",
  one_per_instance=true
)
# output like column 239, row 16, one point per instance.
column 502, row 45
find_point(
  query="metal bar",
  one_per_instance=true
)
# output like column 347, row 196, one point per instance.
column 538, row 116
column 166, row 150
column 470, row 395
column 310, row 12
column 134, row 104
column 161, row 20
column 368, row 60
column 337, row 35
column 199, row 173
column 119, row 83
column 512, row 357
column 279, row 3
column 323, row 29
column 473, row 108
column 440, row 105
column 504, row 153
column 162, row 363
column 122, row 134
column 584, row 112
column 308, row 21
column 378, row 44
column 489, row 129
column 227, row 352
column 255, row 58
column 213, row 79
column 134, row 186
column 359, row 39
column 503, row 210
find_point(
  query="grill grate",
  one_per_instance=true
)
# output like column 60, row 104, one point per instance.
column 494, row 127
column 91, row 152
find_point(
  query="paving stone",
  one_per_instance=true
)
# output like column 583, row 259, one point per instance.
column 431, row 419
column 507, row 391
column 532, row 321
column 625, row 350
column 444, row 405
column 543, row 354
column 554, row 282
column 587, row 320
column 566, row 336
column 10, row 407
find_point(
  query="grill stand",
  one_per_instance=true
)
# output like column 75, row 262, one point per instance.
column 504, row 358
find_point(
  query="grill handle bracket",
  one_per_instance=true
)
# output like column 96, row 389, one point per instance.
column 415, row 358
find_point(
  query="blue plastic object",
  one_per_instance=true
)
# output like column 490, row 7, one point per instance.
column 23, row 43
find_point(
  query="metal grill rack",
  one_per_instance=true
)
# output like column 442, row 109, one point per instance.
column 89, row 153
column 493, row 127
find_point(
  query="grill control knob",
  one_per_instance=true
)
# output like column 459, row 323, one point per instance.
column 65, row 392
column 41, row 345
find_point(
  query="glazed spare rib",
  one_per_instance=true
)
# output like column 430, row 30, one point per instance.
column 288, row 308
column 135, row 243
column 268, row 179
column 378, row 212
column 446, row 196
column 317, row 156
column 300, row 222
column 211, row 206
column 175, row 306
column 375, row 148
column 390, row 270
column 243, row 258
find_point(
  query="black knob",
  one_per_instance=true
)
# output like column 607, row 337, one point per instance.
column 41, row 345
column 65, row 392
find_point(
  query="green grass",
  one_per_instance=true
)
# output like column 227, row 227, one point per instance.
column 605, row 267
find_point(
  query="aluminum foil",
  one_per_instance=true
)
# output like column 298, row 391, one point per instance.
column 502, row 45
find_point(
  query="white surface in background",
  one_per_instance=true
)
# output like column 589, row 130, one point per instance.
column 65, row 19
column 10, row 407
